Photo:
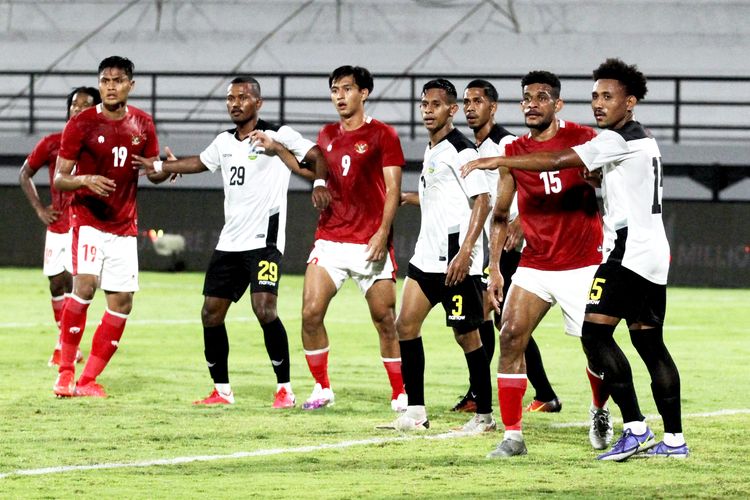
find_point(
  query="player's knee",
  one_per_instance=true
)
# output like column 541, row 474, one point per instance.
column 211, row 315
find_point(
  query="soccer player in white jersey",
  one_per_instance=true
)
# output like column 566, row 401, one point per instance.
column 252, row 158
column 480, row 106
column 447, row 264
column 631, row 282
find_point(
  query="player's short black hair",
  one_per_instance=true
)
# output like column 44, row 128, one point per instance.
column 489, row 90
column 94, row 93
column 543, row 77
column 628, row 75
column 118, row 62
column 446, row 85
column 362, row 76
column 247, row 79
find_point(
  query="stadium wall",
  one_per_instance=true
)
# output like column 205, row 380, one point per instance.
column 709, row 240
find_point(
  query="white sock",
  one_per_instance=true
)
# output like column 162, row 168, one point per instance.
column 285, row 385
column 636, row 427
column 674, row 439
column 514, row 435
column 417, row 412
column 224, row 389
column 486, row 417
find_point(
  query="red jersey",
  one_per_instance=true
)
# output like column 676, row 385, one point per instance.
column 45, row 154
column 105, row 147
column 355, row 179
column 558, row 209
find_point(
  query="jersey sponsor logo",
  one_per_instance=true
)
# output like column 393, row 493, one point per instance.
column 100, row 139
column 135, row 140
column 360, row 147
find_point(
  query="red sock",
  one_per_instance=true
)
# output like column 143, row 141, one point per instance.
column 393, row 369
column 103, row 345
column 57, row 308
column 510, row 390
column 72, row 324
column 317, row 361
column 599, row 394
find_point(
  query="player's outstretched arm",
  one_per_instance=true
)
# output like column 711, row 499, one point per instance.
column 66, row 181
column 537, row 162
column 377, row 247
column 46, row 214
column 158, row 170
column 459, row 266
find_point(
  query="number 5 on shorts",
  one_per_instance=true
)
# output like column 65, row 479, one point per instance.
column 596, row 289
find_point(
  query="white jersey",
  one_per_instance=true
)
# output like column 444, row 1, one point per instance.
column 445, row 201
column 632, row 184
column 255, row 187
column 494, row 145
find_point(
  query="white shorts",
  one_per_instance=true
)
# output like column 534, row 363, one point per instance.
column 568, row 288
column 113, row 258
column 348, row 260
column 57, row 253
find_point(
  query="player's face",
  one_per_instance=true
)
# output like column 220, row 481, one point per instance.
column 478, row 109
column 243, row 102
column 436, row 110
column 114, row 87
column 539, row 105
column 347, row 97
column 81, row 101
column 611, row 105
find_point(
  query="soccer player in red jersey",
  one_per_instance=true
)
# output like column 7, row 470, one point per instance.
column 563, row 231
column 99, row 143
column 57, row 265
column 354, row 234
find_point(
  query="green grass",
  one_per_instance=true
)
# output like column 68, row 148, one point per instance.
column 159, row 370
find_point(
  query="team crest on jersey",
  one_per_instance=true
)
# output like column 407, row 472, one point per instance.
column 360, row 147
column 100, row 139
column 136, row 140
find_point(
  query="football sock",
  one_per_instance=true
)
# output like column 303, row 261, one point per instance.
column 599, row 394
column 225, row 389
column 277, row 347
column 393, row 369
column 536, row 374
column 674, row 439
column 637, row 427
column 510, row 390
column 57, row 308
column 514, row 435
column 665, row 379
column 604, row 353
column 216, row 351
column 480, row 378
column 103, row 345
column 317, row 361
column 72, row 324
column 487, row 334
column 285, row 385
column 412, row 369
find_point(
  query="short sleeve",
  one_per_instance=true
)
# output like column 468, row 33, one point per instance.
column 39, row 155
column 607, row 147
column 476, row 181
column 72, row 139
column 152, row 141
column 211, row 157
column 390, row 145
column 293, row 141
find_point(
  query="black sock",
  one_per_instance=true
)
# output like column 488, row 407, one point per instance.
column 604, row 353
column 216, row 350
column 487, row 334
column 536, row 374
column 412, row 369
column 665, row 379
column 277, row 347
column 479, row 375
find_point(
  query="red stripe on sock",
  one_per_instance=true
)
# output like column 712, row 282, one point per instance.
column 510, row 393
column 318, row 364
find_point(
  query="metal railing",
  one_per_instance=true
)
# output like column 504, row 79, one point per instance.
column 680, row 109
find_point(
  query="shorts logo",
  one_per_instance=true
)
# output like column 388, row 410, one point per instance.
column 360, row 147
column 74, row 330
column 136, row 140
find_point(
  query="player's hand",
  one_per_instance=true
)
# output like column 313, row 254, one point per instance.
column 145, row 164
column 495, row 289
column 458, row 268
column 514, row 235
column 409, row 198
column 594, row 178
column 99, row 184
column 47, row 215
column 321, row 198
column 261, row 143
column 376, row 247
column 481, row 164
column 171, row 157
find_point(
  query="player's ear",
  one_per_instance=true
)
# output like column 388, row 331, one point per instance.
column 630, row 102
column 132, row 84
column 260, row 103
column 454, row 109
column 365, row 94
column 559, row 105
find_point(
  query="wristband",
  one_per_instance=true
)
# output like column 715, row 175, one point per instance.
column 319, row 183
column 158, row 166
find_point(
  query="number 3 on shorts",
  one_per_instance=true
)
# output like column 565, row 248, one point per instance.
column 596, row 289
column 268, row 271
column 459, row 309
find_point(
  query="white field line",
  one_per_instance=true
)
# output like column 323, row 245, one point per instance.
column 299, row 449
column 718, row 413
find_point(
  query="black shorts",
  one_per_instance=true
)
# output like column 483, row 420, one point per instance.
column 230, row 273
column 619, row 292
column 462, row 303
column 508, row 264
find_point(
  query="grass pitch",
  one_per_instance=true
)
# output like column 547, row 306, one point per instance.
column 111, row 448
